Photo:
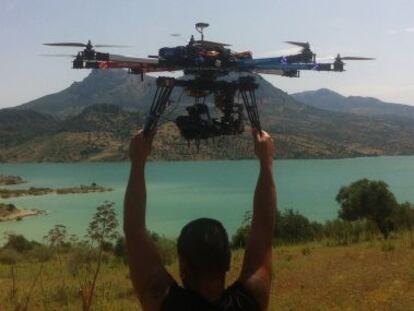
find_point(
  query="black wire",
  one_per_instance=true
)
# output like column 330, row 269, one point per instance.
column 159, row 103
column 173, row 109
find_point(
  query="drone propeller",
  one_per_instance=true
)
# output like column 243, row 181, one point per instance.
column 340, row 58
column 338, row 64
column 304, row 45
column 354, row 58
column 58, row 55
column 89, row 44
column 66, row 44
column 307, row 56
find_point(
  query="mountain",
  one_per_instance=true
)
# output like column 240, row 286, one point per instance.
column 115, row 87
column 366, row 106
column 93, row 120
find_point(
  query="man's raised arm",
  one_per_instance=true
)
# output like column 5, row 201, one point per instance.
column 149, row 277
column 256, row 272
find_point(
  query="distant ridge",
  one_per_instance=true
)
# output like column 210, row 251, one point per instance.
column 367, row 106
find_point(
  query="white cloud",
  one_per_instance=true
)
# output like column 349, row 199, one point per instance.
column 409, row 29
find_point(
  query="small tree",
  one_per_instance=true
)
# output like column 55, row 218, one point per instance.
column 366, row 199
column 56, row 238
column 102, row 230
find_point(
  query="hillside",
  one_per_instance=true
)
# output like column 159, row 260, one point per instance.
column 102, row 133
column 366, row 106
column 111, row 87
column 93, row 120
column 17, row 126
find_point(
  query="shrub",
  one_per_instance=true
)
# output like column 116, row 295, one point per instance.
column 167, row 249
column 41, row 253
column 120, row 249
column 19, row 243
column 306, row 251
column 9, row 257
column 345, row 232
column 403, row 217
column 81, row 257
column 292, row 227
column 239, row 239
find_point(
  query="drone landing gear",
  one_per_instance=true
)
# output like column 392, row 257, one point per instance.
column 198, row 124
column 162, row 96
column 247, row 92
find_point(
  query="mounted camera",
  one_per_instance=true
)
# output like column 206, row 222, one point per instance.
column 199, row 124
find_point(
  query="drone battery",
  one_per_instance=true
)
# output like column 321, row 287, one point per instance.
column 102, row 56
column 324, row 67
column 173, row 55
column 91, row 65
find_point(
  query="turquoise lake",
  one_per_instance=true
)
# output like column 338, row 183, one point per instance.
column 181, row 191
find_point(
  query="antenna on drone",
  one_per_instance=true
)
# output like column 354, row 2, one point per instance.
column 200, row 28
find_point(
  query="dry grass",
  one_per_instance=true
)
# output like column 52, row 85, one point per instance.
column 365, row 276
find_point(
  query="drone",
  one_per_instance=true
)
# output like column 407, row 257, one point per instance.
column 206, row 64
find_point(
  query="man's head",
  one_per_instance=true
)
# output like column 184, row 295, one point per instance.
column 203, row 250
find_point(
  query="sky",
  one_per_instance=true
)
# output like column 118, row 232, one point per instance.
column 383, row 29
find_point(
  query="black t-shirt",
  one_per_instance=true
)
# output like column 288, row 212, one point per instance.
column 234, row 298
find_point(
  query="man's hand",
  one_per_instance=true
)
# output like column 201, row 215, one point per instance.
column 264, row 146
column 140, row 147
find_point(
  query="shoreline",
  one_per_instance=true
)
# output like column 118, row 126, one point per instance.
column 19, row 214
column 156, row 161
column 14, row 193
column 9, row 180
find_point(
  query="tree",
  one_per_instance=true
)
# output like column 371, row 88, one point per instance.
column 292, row 227
column 102, row 230
column 367, row 199
column 56, row 237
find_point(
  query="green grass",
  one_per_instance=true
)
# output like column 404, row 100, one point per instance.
column 372, row 275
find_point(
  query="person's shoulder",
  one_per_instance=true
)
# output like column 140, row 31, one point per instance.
column 182, row 299
column 156, row 290
column 238, row 297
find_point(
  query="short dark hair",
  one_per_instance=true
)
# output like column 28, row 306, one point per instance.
column 204, row 245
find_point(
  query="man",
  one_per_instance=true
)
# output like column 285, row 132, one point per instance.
column 203, row 247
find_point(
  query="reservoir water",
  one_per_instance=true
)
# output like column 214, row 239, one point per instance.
column 181, row 191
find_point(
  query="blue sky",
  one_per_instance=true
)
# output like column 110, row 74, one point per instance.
column 378, row 28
